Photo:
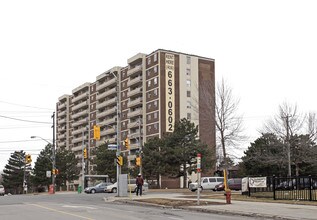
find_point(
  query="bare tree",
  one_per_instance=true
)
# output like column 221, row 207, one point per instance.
column 228, row 122
column 312, row 126
column 286, row 124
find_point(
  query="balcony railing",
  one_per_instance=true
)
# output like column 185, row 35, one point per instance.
column 135, row 113
column 136, row 69
column 135, row 81
column 79, row 114
column 135, row 102
column 105, row 84
column 133, row 92
column 80, row 105
column 107, row 93
column 80, row 122
column 79, row 97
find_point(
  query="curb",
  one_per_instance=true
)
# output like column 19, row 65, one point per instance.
column 204, row 210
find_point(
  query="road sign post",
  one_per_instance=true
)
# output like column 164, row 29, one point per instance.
column 199, row 177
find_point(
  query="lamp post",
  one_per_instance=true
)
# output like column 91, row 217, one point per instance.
column 53, row 150
column 117, row 128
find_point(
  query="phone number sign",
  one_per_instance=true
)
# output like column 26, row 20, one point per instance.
column 170, row 90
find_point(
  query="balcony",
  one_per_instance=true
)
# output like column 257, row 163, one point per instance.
column 62, row 114
column 79, row 139
column 135, row 102
column 106, row 83
column 135, row 113
column 133, row 125
column 61, row 136
column 79, row 114
column 110, row 121
column 110, row 102
column 62, row 106
column 107, row 131
column 134, row 81
column 134, row 70
column 135, row 92
column 61, row 121
column 80, row 122
column 80, row 105
column 107, row 93
column 79, row 131
column 81, row 96
column 108, row 112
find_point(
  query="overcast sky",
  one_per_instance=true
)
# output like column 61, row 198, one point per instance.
column 265, row 50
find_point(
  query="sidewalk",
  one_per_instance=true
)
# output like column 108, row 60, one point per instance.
column 243, row 208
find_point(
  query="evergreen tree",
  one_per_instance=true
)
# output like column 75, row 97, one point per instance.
column 104, row 161
column 14, row 171
column 66, row 163
column 181, row 148
column 152, row 163
column 42, row 164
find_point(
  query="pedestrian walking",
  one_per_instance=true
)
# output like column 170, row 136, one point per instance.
column 139, row 184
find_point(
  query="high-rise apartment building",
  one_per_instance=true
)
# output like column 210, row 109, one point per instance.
column 140, row 101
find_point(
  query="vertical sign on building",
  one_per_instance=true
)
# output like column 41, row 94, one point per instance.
column 170, row 90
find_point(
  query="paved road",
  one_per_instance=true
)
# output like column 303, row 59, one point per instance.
column 73, row 206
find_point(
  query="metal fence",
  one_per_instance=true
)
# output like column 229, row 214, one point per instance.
column 288, row 188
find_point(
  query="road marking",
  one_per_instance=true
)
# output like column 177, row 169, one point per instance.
column 77, row 206
column 175, row 218
column 66, row 213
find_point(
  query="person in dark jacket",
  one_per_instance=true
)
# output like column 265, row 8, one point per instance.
column 139, row 184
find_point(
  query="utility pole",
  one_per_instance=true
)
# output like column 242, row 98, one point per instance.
column 140, row 145
column 289, row 174
column 53, row 153
column 83, row 161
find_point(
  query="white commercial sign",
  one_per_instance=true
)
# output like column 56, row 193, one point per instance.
column 48, row 173
column 255, row 182
column 170, row 91
column 244, row 184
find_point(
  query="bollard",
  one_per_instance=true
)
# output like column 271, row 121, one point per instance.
column 228, row 196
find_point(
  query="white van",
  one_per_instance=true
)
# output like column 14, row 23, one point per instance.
column 206, row 183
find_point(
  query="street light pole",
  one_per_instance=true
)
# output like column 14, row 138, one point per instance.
column 53, row 153
column 117, row 129
column 53, row 150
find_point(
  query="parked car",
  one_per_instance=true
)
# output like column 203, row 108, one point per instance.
column 131, row 187
column 233, row 184
column 206, row 183
column 2, row 191
column 99, row 188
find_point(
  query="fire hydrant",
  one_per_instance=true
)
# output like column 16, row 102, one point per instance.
column 228, row 196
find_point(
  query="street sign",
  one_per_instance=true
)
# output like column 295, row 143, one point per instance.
column 198, row 162
column 48, row 173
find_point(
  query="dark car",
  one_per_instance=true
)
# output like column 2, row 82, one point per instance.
column 99, row 188
column 233, row 184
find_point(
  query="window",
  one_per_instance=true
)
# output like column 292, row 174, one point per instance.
column 188, row 93
column 155, row 57
column 155, row 80
column 149, row 95
column 155, row 114
column 189, row 116
column 149, row 117
column 149, row 61
column 188, row 82
column 188, row 59
column 149, row 128
column 149, row 106
column 155, row 103
column 155, row 92
column 92, row 88
column 149, row 83
column 148, row 73
column 155, row 69
column 188, row 72
column 156, row 126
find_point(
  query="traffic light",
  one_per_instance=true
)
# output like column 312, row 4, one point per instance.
column 126, row 143
column 120, row 160
column 28, row 159
column 54, row 171
column 96, row 132
column 138, row 161
column 85, row 153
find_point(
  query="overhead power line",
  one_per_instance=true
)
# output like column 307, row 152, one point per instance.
column 17, row 119
column 28, row 106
